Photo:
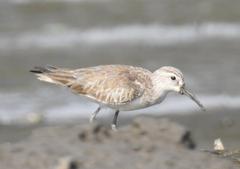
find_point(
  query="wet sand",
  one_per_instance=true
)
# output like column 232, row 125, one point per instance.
column 145, row 143
column 207, row 126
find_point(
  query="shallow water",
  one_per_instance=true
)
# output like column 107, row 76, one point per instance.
column 202, row 38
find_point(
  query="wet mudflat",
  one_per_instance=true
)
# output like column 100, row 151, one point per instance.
column 145, row 143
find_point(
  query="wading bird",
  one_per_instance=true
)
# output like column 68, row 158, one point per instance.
column 120, row 87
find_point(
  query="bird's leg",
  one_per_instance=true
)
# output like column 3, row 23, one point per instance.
column 94, row 114
column 114, row 122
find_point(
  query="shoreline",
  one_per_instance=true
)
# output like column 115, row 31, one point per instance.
column 205, row 126
column 145, row 143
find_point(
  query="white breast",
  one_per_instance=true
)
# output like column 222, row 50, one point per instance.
column 139, row 103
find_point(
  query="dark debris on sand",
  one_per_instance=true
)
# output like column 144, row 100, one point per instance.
column 146, row 143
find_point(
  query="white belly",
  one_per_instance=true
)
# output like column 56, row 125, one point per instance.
column 137, row 104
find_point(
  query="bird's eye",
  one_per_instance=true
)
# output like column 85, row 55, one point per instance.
column 173, row 77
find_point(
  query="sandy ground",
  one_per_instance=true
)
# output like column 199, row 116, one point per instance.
column 146, row 143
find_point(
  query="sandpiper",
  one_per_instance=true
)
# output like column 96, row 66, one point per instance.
column 120, row 87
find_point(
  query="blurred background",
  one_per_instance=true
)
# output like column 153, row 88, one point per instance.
column 201, row 38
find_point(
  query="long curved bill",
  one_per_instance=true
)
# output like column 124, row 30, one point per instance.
column 191, row 96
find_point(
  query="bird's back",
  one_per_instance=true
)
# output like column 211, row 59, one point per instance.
column 106, row 84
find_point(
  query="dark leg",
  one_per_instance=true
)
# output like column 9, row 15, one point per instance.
column 94, row 114
column 114, row 122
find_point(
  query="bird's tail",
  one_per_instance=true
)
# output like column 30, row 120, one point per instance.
column 51, row 74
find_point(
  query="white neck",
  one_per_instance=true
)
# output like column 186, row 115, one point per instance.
column 158, row 91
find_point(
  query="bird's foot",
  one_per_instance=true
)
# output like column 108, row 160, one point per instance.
column 114, row 127
column 92, row 119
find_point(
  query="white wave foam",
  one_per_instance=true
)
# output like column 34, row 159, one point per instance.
column 26, row 111
column 154, row 34
column 55, row 1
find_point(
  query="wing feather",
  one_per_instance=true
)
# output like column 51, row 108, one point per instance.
column 109, row 84
column 114, row 85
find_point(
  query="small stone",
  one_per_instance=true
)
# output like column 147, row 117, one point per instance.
column 218, row 145
column 67, row 163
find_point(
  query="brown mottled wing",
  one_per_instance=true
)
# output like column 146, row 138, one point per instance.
column 114, row 85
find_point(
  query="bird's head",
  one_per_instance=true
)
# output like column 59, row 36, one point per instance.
column 171, row 79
